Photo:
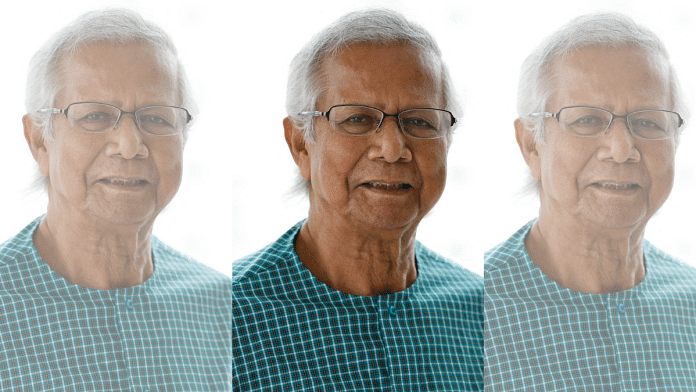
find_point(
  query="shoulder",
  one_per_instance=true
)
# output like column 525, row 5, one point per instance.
column 435, row 267
column 20, row 247
column 178, row 266
column 667, row 269
column 276, row 254
column 507, row 252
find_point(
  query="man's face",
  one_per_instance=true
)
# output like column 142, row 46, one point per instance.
column 385, row 181
column 123, row 176
column 614, row 180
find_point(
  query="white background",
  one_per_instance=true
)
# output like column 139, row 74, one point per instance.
column 234, row 199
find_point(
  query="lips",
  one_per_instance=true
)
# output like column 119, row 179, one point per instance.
column 618, row 186
column 387, row 186
column 124, row 182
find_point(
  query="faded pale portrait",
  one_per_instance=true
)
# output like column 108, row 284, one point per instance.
column 90, row 299
column 578, row 299
column 348, row 299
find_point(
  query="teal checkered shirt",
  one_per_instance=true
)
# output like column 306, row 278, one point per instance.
column 294, row 333
column 541, row 336
column 171, row 333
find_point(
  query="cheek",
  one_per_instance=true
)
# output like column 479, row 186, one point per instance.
column 333, row 162
column 70, row 160
column 660, row 165
column 432, row 164
column 169, row 160
column 563, row 164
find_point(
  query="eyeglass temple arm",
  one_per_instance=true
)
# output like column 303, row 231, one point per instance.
column 543, row 114
column 313, row 113
column 52, row 111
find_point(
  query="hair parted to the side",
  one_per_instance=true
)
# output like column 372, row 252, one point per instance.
column 370, row 26
column 604, row 29
column 111, row 25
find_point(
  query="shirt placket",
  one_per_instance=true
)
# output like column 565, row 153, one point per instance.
column 127, row 303
column 617, row 306
column 391, row 314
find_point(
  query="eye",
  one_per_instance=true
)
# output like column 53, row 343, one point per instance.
column 358, row 119
column 647, row 124
column 588, row 121
column 155, row 120
column 417, row 122
column 95, row 117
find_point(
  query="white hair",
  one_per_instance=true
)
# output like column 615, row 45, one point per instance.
column 606, row 29
column 371, row 26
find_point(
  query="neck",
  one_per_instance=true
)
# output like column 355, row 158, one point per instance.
column 589, row 260
column 358, row 262
column 95, row 255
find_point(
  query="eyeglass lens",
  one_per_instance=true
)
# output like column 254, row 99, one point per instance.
column 359, row 120
column 647, row 124
column 156, row 120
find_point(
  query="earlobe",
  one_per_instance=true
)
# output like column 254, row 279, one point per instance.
column 298, row 148
column 528, row 148
column 34, row 136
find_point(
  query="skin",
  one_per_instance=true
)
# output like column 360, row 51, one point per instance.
column 95, row 233
column 589, row 234
column 359, row 237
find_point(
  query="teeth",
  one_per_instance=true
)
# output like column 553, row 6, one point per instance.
column 122, row 182
column 615, row 186
column 388, row 187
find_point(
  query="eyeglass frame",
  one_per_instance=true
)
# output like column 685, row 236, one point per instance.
column 613, row 116
column 317, row 113
column 189, row 117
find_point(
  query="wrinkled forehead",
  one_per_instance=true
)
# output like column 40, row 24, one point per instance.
column 427, row 62
column 139, row 63
column 600, row 67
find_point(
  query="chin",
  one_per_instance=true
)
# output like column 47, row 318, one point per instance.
column 128, row 216
column 390, row 220
column 618, row 220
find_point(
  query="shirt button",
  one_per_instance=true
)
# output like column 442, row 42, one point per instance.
column 621, row 308
column 392, row 311
column 129, row 304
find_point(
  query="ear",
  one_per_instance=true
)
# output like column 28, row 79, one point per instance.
column 528, row 148
column 298, row 148
column 34, row 136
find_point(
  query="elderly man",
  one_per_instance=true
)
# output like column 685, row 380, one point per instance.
column 348, row 299
column 577, row 300
column 91, row 301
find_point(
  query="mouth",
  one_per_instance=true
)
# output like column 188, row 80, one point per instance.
column 387, row 186
column 616, row 186
column 123, row 182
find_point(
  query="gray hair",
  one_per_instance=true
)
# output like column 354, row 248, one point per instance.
column 606, row 29
column 115, row 25
column 371, row 26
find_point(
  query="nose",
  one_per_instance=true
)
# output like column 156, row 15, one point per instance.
column 389, row 143
column 126, row 139
column 618, row 143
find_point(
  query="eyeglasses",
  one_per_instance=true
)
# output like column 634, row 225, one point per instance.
column 585, row 121
column 358, row 120
column 97, row 117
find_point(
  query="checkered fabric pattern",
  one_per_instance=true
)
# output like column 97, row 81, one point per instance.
column 171, row 333
column 541, row 336
column 294, row 333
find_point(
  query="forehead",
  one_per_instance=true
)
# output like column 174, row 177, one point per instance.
column 375, row 73
column 101, row 71
column 606, row 76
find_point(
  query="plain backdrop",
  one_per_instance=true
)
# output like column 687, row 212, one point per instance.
column 234, row 196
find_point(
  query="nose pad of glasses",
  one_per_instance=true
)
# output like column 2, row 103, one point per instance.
column 384, row 117
column 120, row 116
column 625, row 121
